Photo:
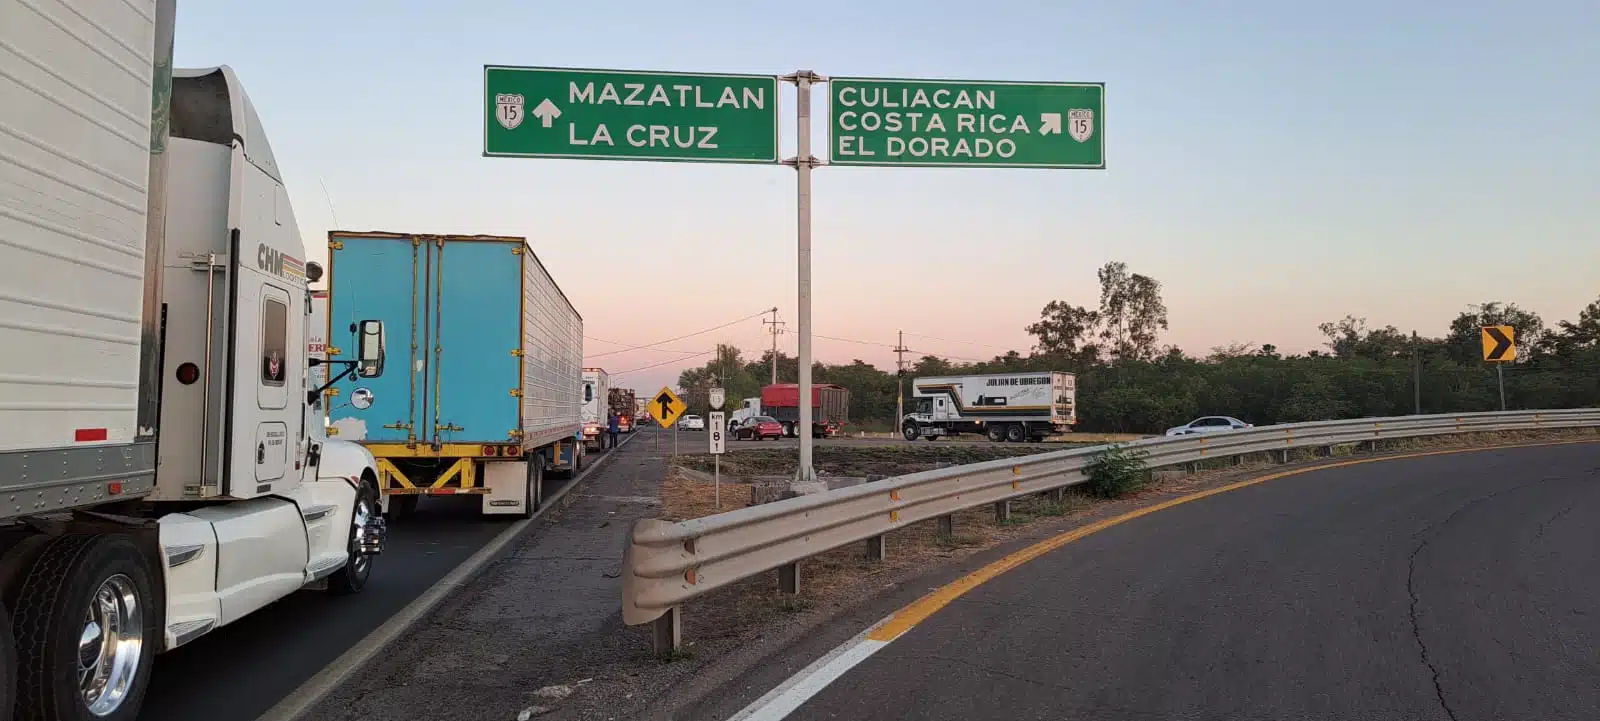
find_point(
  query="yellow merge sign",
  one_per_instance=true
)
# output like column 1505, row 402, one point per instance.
column 666, row 407
column 1499, row 343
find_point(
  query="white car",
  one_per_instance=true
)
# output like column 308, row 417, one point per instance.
column 692, row 423
column 1209, row 424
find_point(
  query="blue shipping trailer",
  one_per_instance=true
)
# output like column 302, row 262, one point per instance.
column 490, row 398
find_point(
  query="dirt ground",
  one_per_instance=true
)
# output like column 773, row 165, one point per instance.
column 872, row 462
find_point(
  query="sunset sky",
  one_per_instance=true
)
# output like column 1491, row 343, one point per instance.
column 1274, row 165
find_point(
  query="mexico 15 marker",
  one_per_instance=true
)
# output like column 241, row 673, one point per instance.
column 966, row 123
column 629, row 115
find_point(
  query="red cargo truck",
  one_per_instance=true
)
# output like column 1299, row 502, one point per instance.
column 830, row 408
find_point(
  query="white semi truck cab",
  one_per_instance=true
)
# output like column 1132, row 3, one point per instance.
column 162, row 470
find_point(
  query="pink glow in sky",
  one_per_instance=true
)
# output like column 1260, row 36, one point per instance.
column 1274, row 165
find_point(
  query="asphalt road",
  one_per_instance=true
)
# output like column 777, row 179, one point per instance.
column 1453, row 587
column 240, row 671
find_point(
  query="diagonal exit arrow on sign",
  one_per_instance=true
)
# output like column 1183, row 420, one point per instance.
column 1498, row 343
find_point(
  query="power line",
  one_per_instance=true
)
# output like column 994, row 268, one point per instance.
column 952, row 340
column 898, row 348
column 649, row 346
column 852, row 340
column 662, row 363
column 626, row 346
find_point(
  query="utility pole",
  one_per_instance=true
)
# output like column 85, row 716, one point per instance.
column 777, row 328
column 899, row 379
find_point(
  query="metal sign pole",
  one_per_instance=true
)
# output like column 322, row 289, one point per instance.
column 1500, row 373
column 803, row 163
column 716, row 480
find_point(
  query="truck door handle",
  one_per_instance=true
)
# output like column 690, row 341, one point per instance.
column 261, row 453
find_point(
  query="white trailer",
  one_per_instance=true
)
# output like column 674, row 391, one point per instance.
column 1012, row 407
column 161, row 471
column 596, row 405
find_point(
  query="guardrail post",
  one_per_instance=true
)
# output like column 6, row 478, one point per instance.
column 1058, row 496
column 668, row 633
column 1283, row 456
column 789, row 578
column 876, row 551
column 947, row 526
column 1002, row 511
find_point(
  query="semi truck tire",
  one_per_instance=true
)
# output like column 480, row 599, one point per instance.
column 87, row 605
column 788, row 431
column 910, row 431
column 535, row 490
column 996, row 433
column 352, row 578
column 1016, row 433
column 8, row 666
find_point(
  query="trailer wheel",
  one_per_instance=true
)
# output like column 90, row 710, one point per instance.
column 535, row 491
column 8, row 667
column 1016, row 433
column 910, row 431
column 788, row 431
column 996, row 433
column 87, row 630
column 352, row 578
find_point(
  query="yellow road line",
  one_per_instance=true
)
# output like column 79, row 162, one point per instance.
column 908, row 617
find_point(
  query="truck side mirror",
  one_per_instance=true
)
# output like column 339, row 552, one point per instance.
column 370, row 349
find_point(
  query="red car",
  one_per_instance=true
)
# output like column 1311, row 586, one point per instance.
column 759, row 428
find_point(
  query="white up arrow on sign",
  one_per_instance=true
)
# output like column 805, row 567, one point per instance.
column 547, row 112
column 1048, row 122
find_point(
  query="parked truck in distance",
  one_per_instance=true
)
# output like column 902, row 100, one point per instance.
column 624, row 405
column 596, row 404
column 1013, row 407
column 489, row 397
column 830, row 408
column 162, row 471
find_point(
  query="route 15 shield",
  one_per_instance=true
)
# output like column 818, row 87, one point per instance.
column 509, row 110
column 1080, row 123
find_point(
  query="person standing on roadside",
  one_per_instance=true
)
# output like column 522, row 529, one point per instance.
column 613, row 428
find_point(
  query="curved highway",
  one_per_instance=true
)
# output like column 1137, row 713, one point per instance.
column 1453, row 587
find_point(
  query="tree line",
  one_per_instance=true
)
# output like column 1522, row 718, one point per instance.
column 1129, row 382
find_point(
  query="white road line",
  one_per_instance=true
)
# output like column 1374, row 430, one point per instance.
column 300, row 700
column 778, row 703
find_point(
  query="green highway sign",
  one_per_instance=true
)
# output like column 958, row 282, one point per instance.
column 629, row 115
column 962, row 123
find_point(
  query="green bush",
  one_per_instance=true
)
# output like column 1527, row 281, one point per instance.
column 1117, row 471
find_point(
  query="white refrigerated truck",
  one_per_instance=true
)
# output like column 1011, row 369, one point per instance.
column 596, row 406
column 1012, row 407
column 161, row 472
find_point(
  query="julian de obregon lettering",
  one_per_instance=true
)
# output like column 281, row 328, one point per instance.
column 1039, row 381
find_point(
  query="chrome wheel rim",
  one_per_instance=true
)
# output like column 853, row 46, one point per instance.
column 110, row 645
column 358, row 541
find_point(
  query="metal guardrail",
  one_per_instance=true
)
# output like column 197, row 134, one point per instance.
column 667, row 563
